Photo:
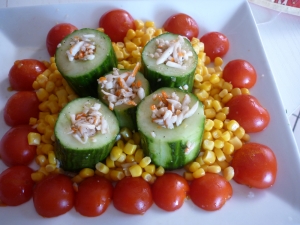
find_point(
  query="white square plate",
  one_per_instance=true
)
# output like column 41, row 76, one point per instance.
column 23, row 33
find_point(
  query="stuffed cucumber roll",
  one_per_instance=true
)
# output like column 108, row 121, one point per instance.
column 122, row 91
column 169, row 60
column 85, row 132
column 82, row 57
column 171, row 124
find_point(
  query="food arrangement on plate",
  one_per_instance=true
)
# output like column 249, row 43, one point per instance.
column 130, row 114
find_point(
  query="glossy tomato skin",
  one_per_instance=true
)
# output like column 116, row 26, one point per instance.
column 14, row 147
column 54, row 195
column 116, row 23
column 255, row 165
column 248, row 112
column 216, row 44
column 240, row 73
column 24, row 72
column 182, row 24
column 132, row 195
column 169, row 191
column 20, row 107
column 210, row 192
column 94, row 196
column 56, row 34
column 16, row 185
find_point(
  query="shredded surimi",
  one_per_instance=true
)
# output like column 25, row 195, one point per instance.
column 121, row 88
column 82, row 48
column 170, row 111
column 86, row 124
column 171, row 53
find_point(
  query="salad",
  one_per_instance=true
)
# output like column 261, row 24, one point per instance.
column 212, row 121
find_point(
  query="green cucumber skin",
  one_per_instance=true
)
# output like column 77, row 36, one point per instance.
column 126, row 115
column 71, row 154
column 86, row 84
column 176, row 158
column 159, row 80
column 164, row 151
column 73, row 160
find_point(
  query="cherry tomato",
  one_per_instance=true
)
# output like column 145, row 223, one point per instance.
column 94, row 196
column 132, row 195
column 116, row 23
column 20, row 107
column 56, row 34
column 24, row 72
column 14, row 147
column 248, row 112
column 254, row 165
column 240, row 73
column 54, row 195
column 293, row 3
column 215, row 44
column 169, row 191
column 182, row 24
column 210, row 192
column 16, row 185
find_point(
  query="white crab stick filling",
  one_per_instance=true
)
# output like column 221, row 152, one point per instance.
column 121, row 88
column 88, row 123
column 171, row 53
column 170, row 111
column 82, row 48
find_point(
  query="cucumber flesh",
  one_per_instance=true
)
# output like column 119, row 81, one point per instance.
column 73, row 154
column 163, row 75
column 171, row 148
column 125, row 113
column 81, row 74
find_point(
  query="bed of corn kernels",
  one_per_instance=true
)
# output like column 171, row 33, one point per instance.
column 221, row 136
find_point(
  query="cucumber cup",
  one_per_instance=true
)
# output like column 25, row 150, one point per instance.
column 82, row 57
column 85, row 132
column 169, row 60
column 171, row 124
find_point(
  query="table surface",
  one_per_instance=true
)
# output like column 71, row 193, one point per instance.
column 280, row 35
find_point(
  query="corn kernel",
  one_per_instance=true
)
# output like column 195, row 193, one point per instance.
column 77, row 179
column 145, row 162
column 188, row 176
column 86, row 172
column 213, row 169
column 198, row 173
column 37, row 176
column 228, row 148
column 210, row 113
column 101, row 167
column 159, row 171
column 194, row 166
column 209, row 157
column 228, row 173
column 218, row 61
column 135, row 170
column 34, row 138
column 41, row 160
column 209, row 124
column 115, row 153
column 109, row 163
column 232, row 125
column 236, row 142
column 219, row 154
column 129, row 148
column 208, row 145
column 147, row 176
column 150, row 168
column 116, row 175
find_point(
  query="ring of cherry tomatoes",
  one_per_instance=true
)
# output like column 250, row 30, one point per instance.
column 55, row 194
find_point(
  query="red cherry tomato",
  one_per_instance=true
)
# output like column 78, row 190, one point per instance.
column 94, row 196
column 210, row 192
column 240, row 73
column 56, row 34
column 215, row 44
column 132, row 195
column 169, row 191
column 116, row 23
column 20, row 107
column 182, row 24
column 248, row 112
column 54, row 195
column 254, row 165
column 16, row 185
column 24, row 72
column 14, row 147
